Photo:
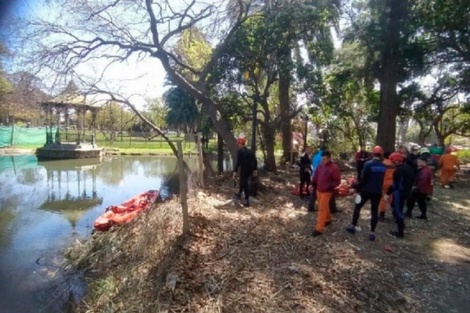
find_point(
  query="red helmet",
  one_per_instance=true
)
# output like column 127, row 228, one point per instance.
column 241, row 141
column 377, row 150
column 396, row 157
column 448, row 149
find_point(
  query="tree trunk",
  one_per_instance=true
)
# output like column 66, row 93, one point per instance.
column 269, row 141
column 284, row 103
column 254, row 125
column 220, row 154
column 388, row 111
column 395, row 14
column 440, row 135
column 402, row 129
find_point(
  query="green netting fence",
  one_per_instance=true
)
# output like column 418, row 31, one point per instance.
column 17, row 162
column 22, row 136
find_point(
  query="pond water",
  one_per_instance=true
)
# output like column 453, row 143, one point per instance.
column 45, row 206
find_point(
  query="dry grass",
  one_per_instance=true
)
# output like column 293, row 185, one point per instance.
column 262, row 259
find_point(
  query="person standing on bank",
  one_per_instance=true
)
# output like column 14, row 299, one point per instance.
column 448, row 163
column 327, row 178
column 305, row 164
column 316, row 160
column 370, row 188
column 248, row 166
column 421, row 189
column 403, row 178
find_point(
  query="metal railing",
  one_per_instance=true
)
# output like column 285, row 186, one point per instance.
column 74, row 137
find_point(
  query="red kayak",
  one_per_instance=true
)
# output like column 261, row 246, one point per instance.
column 126, row 211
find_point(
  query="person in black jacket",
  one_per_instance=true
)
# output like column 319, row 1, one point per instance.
column 403, row 179
column 305, row 171
column 412, row 159
column 370, row 188
column 248, row 166
column 361, row 157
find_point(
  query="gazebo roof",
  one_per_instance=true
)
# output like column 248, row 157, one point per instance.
column 71, row 97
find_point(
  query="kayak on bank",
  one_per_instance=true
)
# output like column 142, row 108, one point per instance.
column 126, row 211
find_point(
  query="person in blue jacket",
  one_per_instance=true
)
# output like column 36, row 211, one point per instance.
column 370, row 188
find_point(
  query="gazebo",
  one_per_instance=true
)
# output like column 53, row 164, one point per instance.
column 67, row 135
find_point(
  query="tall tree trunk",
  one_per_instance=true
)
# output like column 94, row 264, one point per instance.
column 388, row 111
column 254, row 125
column 284, row 103
column 395, row 15
column 220, row 154
column 269, row 141
column 403, row 129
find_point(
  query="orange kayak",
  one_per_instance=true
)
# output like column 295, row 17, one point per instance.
column 126, row 211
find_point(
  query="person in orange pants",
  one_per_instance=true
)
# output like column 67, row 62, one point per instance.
column 388, row 181
column 327, row 177
column 448, row 162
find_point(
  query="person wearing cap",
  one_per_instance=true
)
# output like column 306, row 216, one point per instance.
column 327, row 177
column 433, row 165
column 448, row 163
column 247, row 164
column 403, row 178
column 370, row 188
column 421, row 189
column 412, row 158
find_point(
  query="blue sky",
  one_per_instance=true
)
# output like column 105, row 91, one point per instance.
column 137, row 80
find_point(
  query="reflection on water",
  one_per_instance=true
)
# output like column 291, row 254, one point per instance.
column 45, row 206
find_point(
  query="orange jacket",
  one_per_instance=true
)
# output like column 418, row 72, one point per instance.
column 448, row 161
column 388, row 178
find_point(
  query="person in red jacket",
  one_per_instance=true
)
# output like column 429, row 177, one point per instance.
column 421, row 189
column 327, row 178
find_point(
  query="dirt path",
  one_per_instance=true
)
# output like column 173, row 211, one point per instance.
column 262, row 259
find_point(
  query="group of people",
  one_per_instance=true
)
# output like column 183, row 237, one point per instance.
column 388, row 180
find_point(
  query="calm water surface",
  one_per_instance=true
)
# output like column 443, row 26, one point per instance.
column 45, row 206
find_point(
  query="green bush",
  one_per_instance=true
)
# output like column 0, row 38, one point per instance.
column 464, row 156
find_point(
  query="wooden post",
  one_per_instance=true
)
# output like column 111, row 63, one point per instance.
column 200, row 159
column 183, row 188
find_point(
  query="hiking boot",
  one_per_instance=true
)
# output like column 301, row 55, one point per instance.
column 371, row 236
column 311, row 208
column 335, row 211
column 316, row 233
column 396, row 234
column 422, row 217
column 246, row 203
column 351, row 229
column 328, row 223
column 451, row 185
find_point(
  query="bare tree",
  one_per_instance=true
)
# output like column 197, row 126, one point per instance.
column 88, row 31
